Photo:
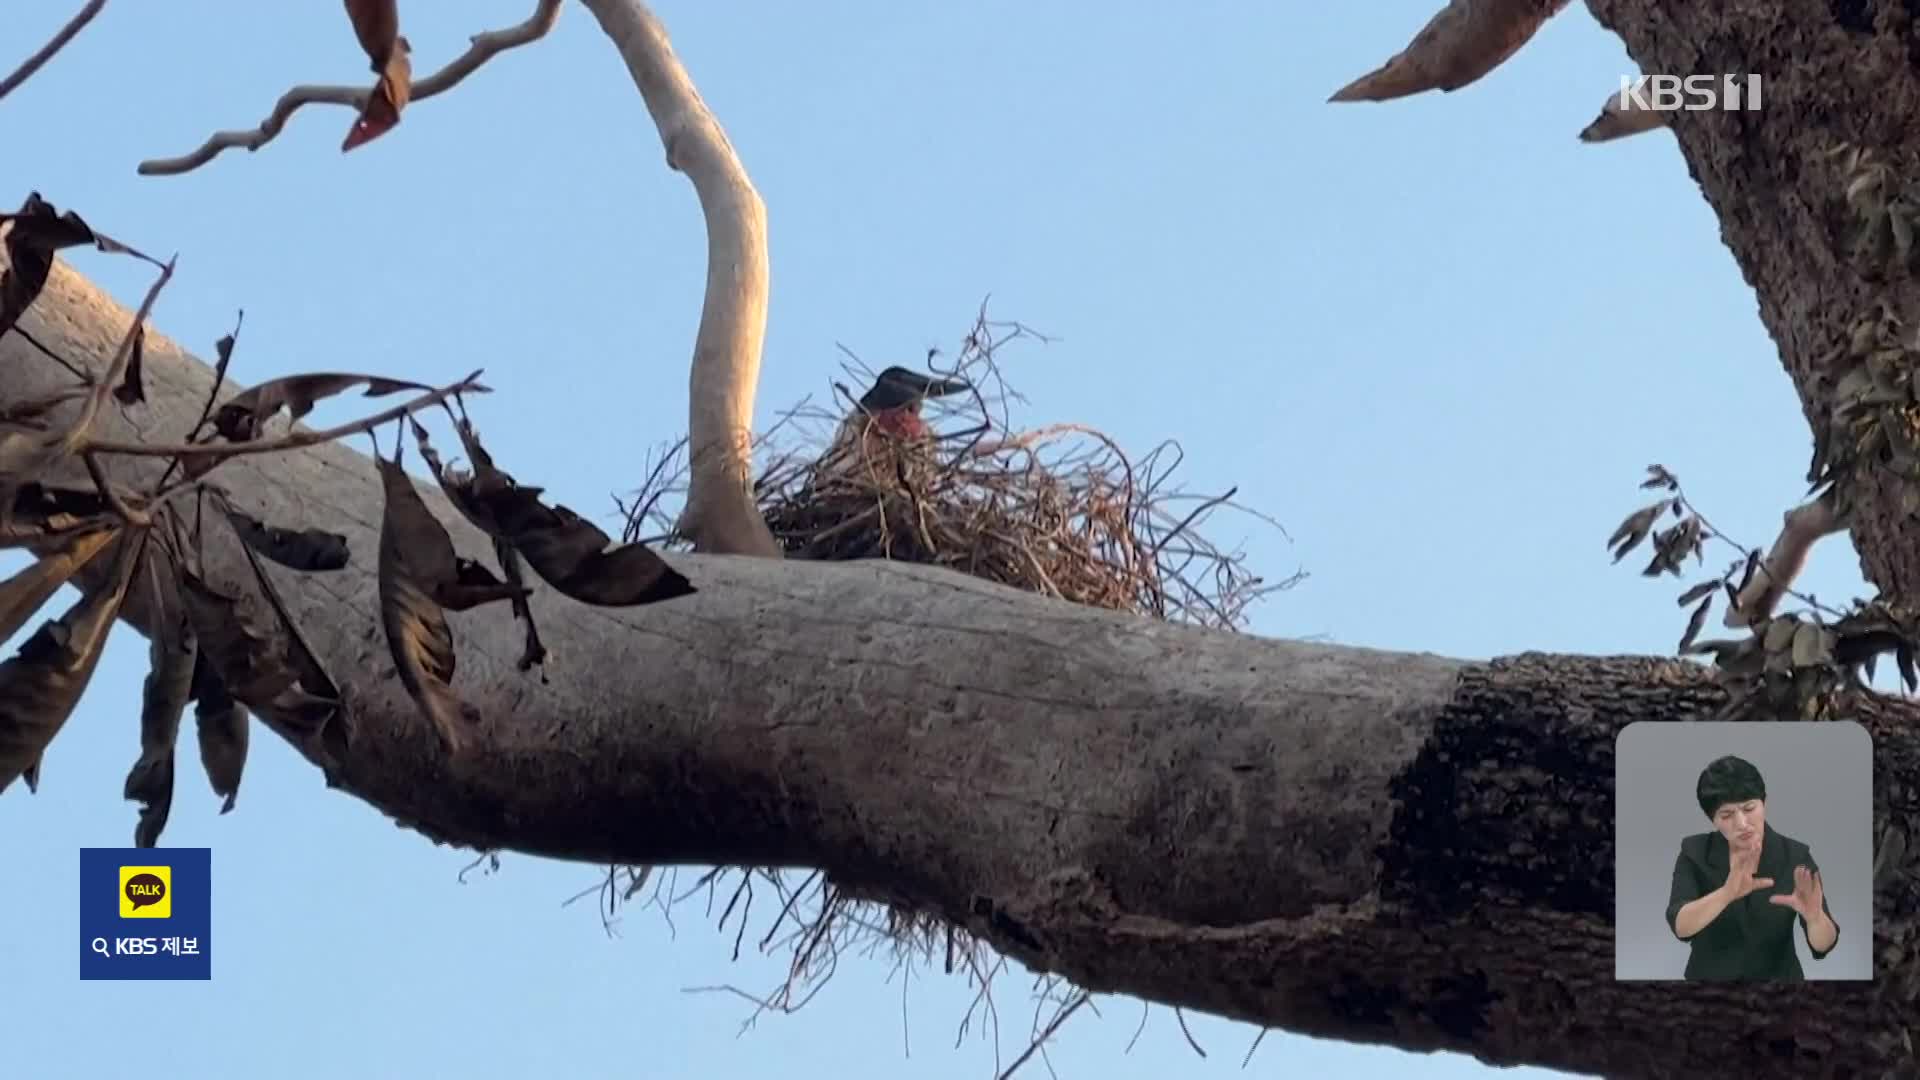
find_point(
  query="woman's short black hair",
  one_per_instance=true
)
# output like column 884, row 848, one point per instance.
column 1728, row 780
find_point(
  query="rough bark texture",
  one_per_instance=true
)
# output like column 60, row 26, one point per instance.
column 1380, row 847
column 1834, row 71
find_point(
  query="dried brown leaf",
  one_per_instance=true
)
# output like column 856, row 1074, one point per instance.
column 533, row 651
column 26, row 592
column 1697, row 592
column 40, row 514
column 261, row 660
column 417, row 563
column 307, row 550
column 1697, row 620
column 132, row 388
column 1862, row 647
column 248, row 657
column 387, row 99
column 41, row 684
column 567, row 551
column 221, row 725
column 241, row 419
column 1635, row 528
column 376, row 23
column 171, row 656
column 38, row 231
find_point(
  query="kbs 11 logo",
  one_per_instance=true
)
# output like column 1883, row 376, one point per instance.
column 1689, row 93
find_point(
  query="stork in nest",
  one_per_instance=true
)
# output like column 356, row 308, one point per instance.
column 885, row 433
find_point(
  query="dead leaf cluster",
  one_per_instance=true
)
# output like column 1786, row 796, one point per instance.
column 1884, row 206
column 1874, row 421
column 227, row 643
column 1792, row 665
column 1799, row 667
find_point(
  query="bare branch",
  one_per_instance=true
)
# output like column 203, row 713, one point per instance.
column 720, row 515
column 1801, row 528
column 293, row 440
column 1623, row 114
column 59, row 41
column 484, row 46
column 1461, row 43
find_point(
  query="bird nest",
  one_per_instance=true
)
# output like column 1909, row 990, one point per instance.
column 1059, row 510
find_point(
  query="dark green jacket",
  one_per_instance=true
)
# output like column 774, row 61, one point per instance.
column 1753, row 937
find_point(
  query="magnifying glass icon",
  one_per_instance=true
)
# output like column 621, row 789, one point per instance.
column 100, row 946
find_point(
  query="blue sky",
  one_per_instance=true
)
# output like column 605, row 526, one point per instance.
column 1439, row 340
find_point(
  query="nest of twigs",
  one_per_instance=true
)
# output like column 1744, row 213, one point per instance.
column 1059, row 510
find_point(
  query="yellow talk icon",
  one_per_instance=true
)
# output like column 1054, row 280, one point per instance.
column 146, row 892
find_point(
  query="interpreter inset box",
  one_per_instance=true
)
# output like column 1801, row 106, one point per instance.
column 1743, row 850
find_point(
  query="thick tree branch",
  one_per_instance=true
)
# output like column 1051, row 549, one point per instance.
column 1348, row 843
column 1800, row 529
column 720, row 514
column 1831, row 78
column 482, row 47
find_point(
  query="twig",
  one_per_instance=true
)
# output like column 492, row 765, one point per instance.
column 1191, row 1041
column 1256, row 1045
column 482, row 47
column 213, row 393
column 117, row 370
column 112, row 497
column 59, row 41
column 1026, row 440
column 292, row 441
column 1059, row 1018
column 491, row 860
column 1145, row 1007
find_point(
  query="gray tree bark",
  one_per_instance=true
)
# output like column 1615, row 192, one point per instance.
column 1379, row 847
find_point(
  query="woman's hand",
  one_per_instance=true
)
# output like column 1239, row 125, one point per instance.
column 1741, row 863
column 1807, row 897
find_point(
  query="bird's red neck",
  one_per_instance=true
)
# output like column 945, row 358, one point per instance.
column 900, row 423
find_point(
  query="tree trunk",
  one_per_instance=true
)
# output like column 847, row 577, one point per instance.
column 1335, row 841
column 1832, row 73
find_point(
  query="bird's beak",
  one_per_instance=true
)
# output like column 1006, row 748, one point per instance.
column 932, row 387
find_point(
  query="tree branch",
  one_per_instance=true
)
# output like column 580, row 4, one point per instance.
column 482, row 47
column 1340, row 842
column 1800, row 529
column 720, row 514
column 59, row 41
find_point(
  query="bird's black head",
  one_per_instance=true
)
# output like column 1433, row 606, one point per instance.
column 899, row 388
